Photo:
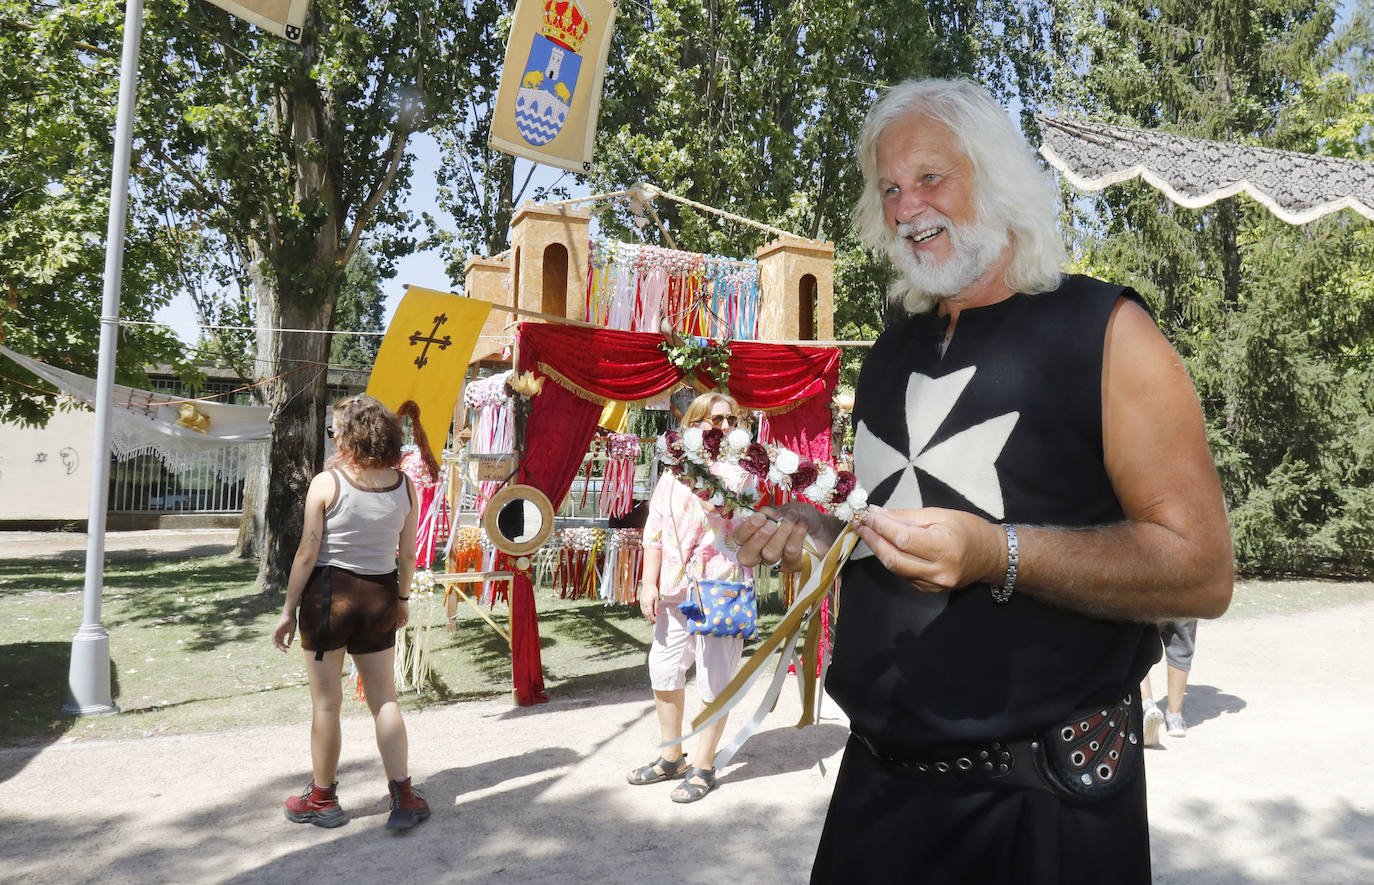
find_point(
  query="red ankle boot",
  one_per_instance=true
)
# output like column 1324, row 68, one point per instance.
column 317, row 805
column 408, row 807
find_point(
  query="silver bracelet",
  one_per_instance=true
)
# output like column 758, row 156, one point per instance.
column 1002, row 594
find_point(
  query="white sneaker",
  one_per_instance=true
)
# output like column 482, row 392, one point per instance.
column 1174, row 723
column 1153, row 719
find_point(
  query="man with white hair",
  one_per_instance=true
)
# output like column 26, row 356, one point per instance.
column 1043, row 494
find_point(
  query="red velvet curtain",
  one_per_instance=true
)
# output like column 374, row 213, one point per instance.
column 582, row 368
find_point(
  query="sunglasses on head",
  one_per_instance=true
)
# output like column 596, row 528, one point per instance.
column 718, row 420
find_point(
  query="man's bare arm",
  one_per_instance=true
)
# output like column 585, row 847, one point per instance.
column 1171, row 557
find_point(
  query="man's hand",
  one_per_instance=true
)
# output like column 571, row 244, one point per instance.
column 935, row 549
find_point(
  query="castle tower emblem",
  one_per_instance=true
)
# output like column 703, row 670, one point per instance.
column 550, row 78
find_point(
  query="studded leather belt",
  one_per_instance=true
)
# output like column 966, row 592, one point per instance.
column 1005, row 762
column 1091, row 756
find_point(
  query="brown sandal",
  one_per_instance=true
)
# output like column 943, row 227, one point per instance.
column 658, row 771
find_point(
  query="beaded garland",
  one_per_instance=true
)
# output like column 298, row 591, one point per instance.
column 690, row 454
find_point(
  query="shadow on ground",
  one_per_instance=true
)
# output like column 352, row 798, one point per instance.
column 138, row 554
column 33, row 684
column 1204, row 702
column 503, row 820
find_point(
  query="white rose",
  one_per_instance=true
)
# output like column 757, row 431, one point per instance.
column 691, row 439
column 778, row 478
column 826, row 478
column 814, row 492
column 737, row 440
column 858, row 499
column 843, row 512
column 787, row 461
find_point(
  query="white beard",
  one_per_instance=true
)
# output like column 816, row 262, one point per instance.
column 973, row 249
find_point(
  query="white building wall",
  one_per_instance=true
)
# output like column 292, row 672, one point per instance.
column 45, row 473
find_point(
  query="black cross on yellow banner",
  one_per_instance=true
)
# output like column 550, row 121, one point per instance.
column 415, row 338
column 428, row 368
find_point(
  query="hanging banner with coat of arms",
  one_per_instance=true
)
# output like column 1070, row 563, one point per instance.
column 550, row 94
column 423, row 360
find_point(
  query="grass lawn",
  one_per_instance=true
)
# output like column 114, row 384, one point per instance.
column 190, row 649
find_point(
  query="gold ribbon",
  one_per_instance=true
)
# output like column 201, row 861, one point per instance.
column 817, row 577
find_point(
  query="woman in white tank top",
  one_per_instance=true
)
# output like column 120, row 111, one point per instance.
column 350, row 584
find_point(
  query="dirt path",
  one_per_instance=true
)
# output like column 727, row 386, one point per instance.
column 1272, row 785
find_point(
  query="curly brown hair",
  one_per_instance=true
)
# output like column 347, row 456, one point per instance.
column 366, row 433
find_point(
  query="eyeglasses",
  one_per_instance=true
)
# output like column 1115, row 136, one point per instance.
column 718, row 420
column 329, row 432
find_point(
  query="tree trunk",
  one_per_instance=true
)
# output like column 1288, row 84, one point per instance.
column 253, row 520
column 297, row 398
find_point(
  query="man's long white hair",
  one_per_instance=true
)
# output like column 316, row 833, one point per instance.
column 1009, row 187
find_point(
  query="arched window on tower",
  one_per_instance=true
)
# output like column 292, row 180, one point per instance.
column 806, row 308
column 555, row 298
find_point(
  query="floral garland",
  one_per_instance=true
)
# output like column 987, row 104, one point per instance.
column 709, row 359
column 690, row 454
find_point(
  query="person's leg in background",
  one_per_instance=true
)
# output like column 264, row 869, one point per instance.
column 1153, row 717
column 1180, row 640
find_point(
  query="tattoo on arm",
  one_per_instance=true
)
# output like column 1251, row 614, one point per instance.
column 314, row 536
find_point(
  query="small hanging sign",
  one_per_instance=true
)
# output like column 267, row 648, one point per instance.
column 285, row 18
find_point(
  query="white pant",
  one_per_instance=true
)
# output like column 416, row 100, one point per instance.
column 675, row 650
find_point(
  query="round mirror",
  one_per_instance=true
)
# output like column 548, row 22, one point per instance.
column 518, row 519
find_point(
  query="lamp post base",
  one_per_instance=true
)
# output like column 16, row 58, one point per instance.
column 89, row 677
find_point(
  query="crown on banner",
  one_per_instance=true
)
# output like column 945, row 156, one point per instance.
column 565, row 23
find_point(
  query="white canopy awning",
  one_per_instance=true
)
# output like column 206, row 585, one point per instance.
column 1195, row 172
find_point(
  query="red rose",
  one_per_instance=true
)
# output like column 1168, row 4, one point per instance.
column 845, row 482
column 755, row 460
column 804, row 475
column 712, row 440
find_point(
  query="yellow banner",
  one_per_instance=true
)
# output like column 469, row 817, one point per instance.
column 550, row 95
column 285, row 18
column 424, row 357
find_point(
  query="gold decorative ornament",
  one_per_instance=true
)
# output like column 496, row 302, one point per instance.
column 193, row 418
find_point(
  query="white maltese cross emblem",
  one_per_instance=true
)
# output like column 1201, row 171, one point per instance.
column 966, row 461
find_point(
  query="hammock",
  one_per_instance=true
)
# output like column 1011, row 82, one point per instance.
column 178, row 430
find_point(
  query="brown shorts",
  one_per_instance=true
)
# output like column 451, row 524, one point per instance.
column 359, row 613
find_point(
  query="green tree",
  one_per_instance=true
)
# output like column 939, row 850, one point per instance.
column 755, row 107
column 361, row 308
column 59, row 73
column 285, row 158
column 477, row 184
column 1271, row 319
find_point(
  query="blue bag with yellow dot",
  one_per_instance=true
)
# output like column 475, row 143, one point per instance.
column 721, row 608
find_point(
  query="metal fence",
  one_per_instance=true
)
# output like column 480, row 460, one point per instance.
column 196, row 484
column 146, row 484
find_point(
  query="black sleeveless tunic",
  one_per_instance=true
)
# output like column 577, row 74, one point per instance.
column 1006, row 424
